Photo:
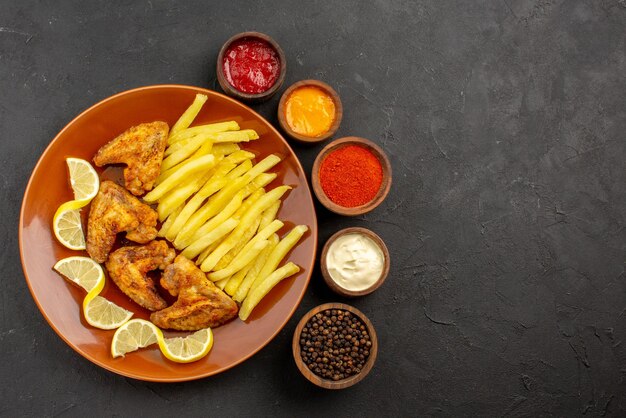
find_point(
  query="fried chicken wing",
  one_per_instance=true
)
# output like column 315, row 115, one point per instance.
column 141, row 149
column 128, row 268
column 114, row 210
column 200, row 303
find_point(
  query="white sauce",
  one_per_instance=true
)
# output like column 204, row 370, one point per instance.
column 354, row 261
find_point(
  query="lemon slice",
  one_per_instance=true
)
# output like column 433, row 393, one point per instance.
column 66, row 222
column 133, row 335
column 89, row 275
column 83, row 271
column 190, row 348
column 83, row 178
column 68, row 228
column 103, row 314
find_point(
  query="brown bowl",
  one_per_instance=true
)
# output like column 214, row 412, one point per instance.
column 251, row 98
column 357, row 210
column 337, row 288
column 326, row 383
column 282, row 119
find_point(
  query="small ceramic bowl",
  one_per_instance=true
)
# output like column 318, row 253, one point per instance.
column 282, row 119
column 245, row 97
column 327, row 383
column 357, row 210
column 337, row 288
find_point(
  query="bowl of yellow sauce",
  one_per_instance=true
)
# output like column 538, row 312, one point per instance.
column 310, row 111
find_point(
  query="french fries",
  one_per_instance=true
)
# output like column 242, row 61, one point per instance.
column 269, row 215
column 193, row 250
column 264, row 288
column 248, row 252
column 189, row 115
column 202, row 129
column 278, row 253
column 246, row 220
column 236, row 279
column 201, row 164
column 215, row 210
column 176, row 198
column 169, row 221
column 253, row 272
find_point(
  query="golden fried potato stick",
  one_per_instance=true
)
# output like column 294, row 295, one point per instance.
column 175, row 198
column 221, row 199
column 203, row 129
column 195, row 142
column 181, row 154
column 278, row 253
column 187, row 233
column 225, row 149
column 169, row 221
column 236, row 279
column 201, row 164
column 222, row 283
column 269, row 215
column 248, row 253
column 245, row 238
column 168, row 170
column 246, row 220
column 218, row 180
column 253, row 273
column 204, row 254
column 258, row 293
column 213, row 223
column 265, row 219
column 189, row 115
column 224, row 228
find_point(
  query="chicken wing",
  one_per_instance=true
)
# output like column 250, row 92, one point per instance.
column 141, row 149
column 114, row 210
column 200, row 303
column 128, row 268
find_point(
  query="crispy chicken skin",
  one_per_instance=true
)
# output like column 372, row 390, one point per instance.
column 128, row 268
column 114, row 210
column 141, row 149
column 200, row 303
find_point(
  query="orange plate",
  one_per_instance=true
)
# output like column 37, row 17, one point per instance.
column 60, row 302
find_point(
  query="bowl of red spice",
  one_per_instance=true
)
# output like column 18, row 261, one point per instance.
column 334, row 346
column 351, row 176
column 251, row 67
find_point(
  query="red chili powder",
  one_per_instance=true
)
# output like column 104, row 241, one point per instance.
column 251, row 65
column 351, row 176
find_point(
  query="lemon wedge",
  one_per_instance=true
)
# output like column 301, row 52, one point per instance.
column 83, row 271
column 68, row 228
column 133, row 335
column 83, row 178
column 187, row 349
column 139, row 333
column 66, row 223
column 103, row 314
column 89, row 275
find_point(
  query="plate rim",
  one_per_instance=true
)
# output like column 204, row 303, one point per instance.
column 138, row 376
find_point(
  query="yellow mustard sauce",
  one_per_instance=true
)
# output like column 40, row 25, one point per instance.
column 310, row 111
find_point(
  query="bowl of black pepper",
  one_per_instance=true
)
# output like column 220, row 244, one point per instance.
column 335, row 346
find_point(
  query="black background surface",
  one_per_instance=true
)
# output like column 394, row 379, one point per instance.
column 505, row 123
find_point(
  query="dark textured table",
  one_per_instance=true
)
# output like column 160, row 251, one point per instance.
column 505, row 122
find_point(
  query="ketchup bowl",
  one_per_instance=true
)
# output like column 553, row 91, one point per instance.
column 251, row 67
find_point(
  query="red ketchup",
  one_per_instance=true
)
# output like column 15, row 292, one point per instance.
column 251, row 65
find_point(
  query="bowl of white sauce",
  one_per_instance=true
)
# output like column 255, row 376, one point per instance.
column 354, row 262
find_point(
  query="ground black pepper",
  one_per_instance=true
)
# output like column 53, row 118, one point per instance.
column 334, row 344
